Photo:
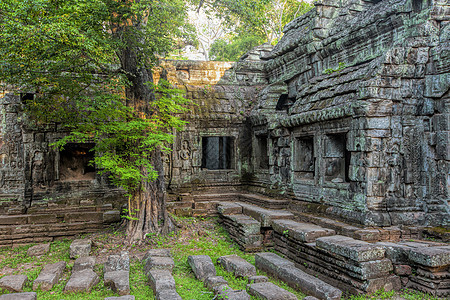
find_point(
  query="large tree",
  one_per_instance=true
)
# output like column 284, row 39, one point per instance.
column 252, row 22
column 89, row 63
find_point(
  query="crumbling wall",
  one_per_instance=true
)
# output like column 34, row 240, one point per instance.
column 357, row 88
column 222, row 95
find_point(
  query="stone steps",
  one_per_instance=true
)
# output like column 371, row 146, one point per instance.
column 302, row 232
column 244, row 230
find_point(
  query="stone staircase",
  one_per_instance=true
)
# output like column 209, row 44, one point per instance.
column 337, row 253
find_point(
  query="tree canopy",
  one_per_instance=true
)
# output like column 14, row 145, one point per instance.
column 89, row 64
column 251, row 23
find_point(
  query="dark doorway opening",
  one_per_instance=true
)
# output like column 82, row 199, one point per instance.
column 217, row 152
column 75, row 162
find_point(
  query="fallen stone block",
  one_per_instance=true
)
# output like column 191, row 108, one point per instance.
column 82, row 263
column 161, row 280
column 269, row 291
column 167, row 295
column 19, row 296
column 80, row 248
column 117, row 262
column 202, row 266
column 38, row 250
column 310, row 298
column 302, row 232
column 127, row 297
column 82, row 281
column 156, row 252
column 118, row 281
column 13, row 283
column 257, row 279
column 350, row 248
column 270, row 262
column 229, row 294
column 49, row 276
column 214, row 281
column 237, row 265
column 286, row 271
column 431, row 256
column 159, row 263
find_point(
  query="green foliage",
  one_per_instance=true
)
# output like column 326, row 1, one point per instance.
column 252, row 22
column 74, row 54
column 338, row 69
column 224, row 50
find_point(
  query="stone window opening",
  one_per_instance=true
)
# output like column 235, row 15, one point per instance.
column 337, row 158
column 24, row 97
column 284, row 102
column 304, row 160
column 217, row 152
column 75, row 162
column 262, row 152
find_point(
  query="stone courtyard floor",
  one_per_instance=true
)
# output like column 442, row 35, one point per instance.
column 196, row 236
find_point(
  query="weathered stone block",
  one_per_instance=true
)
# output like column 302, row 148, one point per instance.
column 237, row 265
column 301, row 232
column 118, row 262
column 229, row 294
column 170, row 294
column 257, row 279
column 269, row 291
column 161, row 280
column 127, row 297
column 112, row 216
column 214, row 281
column 82, row 281
column 229, row 208
column 49, row 276
column 38, row 250
column 354, row 249
column 80, row 248
column 119, row 281
column 13, row 283
column 83, row 263
column 285, row 270
column 202, row 266
column 19, row 296
column 431, row 256
column 402, row 270
column 159, row 263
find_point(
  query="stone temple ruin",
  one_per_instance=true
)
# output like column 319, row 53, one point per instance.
column 335, row 140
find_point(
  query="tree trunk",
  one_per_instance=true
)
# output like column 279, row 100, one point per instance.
column 147, row 202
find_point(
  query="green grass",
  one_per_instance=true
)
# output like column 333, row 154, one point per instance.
column 199, row 237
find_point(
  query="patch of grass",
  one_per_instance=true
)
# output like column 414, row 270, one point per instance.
column 198, row 236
